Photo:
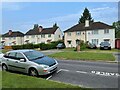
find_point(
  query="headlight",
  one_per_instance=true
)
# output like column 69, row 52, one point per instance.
column 44, row 66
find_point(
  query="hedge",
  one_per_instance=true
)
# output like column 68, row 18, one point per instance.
column 42, row 46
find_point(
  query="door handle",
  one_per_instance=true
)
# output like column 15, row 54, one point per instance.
column 7, row 59
column 16, row 61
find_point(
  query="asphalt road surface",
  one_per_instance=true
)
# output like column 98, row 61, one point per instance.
column 87, row 74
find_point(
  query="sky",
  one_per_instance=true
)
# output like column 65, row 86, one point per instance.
column 21, row 16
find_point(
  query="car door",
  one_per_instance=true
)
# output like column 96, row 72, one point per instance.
column 22, row 66
column 9, row 58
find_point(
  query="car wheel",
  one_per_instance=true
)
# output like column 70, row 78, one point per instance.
column 33, row 72
column 4, row 67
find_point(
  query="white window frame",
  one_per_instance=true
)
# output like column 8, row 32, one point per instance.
column 106, row 31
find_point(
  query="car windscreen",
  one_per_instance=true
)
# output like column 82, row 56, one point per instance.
column 105, row 43
column 33, row 55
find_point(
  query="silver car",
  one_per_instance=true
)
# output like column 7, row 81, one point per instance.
column 31, row 62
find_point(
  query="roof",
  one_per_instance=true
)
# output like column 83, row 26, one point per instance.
column 14, row 34
column 92, row 26
column 44, row 31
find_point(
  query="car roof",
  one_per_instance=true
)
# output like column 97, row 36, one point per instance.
column 22, row 50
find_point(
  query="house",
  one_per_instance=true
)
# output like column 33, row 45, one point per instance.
column 12, row 38
column 94, row 32
column 43, row 35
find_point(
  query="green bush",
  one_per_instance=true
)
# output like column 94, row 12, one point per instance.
column 82, row 46
column 42, row 46
column 36, row 45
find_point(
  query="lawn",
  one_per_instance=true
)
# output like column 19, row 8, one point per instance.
column 93, row 50
column 84, row 56
column 12, row 80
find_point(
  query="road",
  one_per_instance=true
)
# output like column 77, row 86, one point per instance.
column 87, row 74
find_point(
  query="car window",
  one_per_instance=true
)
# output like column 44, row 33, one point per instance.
column 11, row 55
column 19, row 56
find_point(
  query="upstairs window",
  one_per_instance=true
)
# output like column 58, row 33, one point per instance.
column 95, row 32
column 78, row 33
column 33, row 36
column 43, row 36
column 69, row 33
column 27, row 36
column 106, row 31
column 49, row 35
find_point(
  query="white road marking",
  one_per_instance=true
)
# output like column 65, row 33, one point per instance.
column 81, row 72
column 59, row 71
column 65, row 70
column 105, row 73
column 48, row 77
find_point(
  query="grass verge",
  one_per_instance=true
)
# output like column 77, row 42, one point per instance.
column 84, row 56
column 11, row 80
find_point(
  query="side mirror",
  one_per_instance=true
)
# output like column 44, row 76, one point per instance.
column 22, row 60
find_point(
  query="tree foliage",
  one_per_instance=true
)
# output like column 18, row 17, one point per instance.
column 86, row 16
column 116, row 25
column 55, row 25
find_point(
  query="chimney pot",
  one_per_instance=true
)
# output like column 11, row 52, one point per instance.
column 10, row 32
column 40, row 28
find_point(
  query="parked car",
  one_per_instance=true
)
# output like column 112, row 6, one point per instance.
column 91, row 45
column 60, row 46
column 105, row 45
column 1, row 47
column 1, row 55
column 32, row 62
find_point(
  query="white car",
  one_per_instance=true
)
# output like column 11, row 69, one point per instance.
column 1, row 55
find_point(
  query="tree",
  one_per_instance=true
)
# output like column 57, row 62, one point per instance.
column 116, row 25
column 86, row 16
column 36, row 26
column 55, row 25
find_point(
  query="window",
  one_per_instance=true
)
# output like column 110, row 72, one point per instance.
column 12, row 55
column 95, row 32
column 95, row 41
column 69, row 33
column 77, row 42
column 33, row 36
column 78, row 33
column 69, row 42
column 106, row 31
column 59, row 36
column 19, row 56
column 14, row 37
column 49, row 35
column 43, row 36
column 27, row 36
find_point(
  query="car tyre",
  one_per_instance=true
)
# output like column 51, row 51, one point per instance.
column 4, row 67
column 33, row 72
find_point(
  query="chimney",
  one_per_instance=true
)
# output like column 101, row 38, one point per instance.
column 10, row 32
column 40, row 28
column 86, row 23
